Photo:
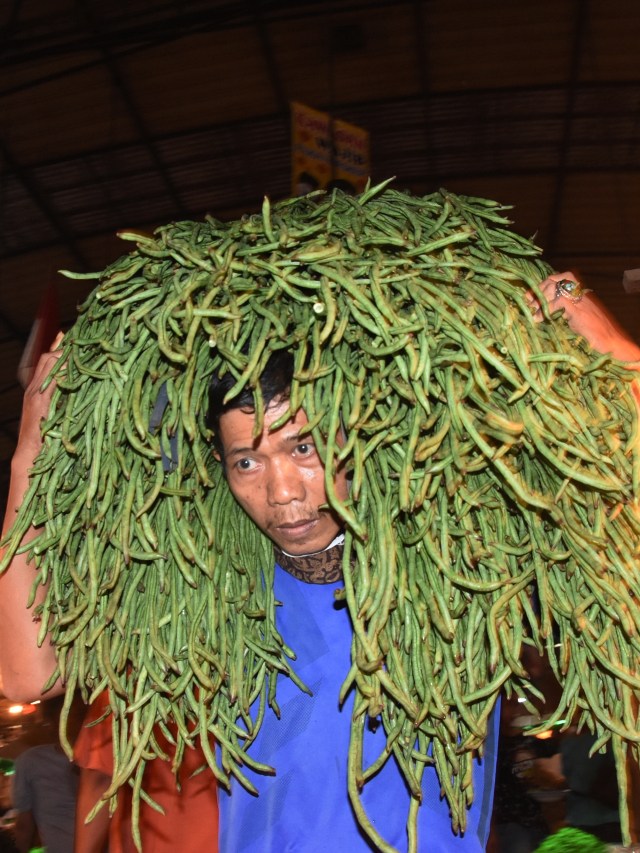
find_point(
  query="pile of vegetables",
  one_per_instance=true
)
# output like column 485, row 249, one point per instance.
column 570, row 840
column 494, row 473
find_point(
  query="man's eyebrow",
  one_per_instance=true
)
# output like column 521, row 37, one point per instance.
column 291, row 438
column 300, row 435
column 239, row 451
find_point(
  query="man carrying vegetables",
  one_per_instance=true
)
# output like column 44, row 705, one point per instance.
column 446, row 469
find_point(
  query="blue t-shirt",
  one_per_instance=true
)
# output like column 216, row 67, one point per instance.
column 305, row 808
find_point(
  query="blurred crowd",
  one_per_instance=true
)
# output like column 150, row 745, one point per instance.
column 547, row 781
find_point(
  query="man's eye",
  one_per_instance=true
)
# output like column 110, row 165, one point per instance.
column 245, row 464
column 305, row 448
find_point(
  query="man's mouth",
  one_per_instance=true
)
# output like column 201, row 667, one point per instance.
column 298, row 528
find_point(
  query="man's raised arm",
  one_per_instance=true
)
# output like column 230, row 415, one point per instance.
column 24, row 667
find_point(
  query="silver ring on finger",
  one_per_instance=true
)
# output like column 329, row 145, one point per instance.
column 568, row 288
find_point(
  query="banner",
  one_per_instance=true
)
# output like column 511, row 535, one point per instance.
column 327, row 152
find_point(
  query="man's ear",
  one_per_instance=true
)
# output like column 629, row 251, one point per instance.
column 219, row 457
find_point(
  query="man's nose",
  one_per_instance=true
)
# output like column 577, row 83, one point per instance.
column 285, row 483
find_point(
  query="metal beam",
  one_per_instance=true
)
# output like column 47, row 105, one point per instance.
column 269, row 57
column 555, row 213
column 122, row 88
column 42, row 203
column 422, row 59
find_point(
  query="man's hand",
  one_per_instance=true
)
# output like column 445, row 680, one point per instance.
column 586, row 315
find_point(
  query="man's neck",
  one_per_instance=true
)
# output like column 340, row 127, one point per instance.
column 320, row 567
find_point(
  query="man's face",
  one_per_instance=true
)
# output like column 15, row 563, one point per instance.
column 278, row 479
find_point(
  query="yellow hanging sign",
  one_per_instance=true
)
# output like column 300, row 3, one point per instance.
column 327, row 152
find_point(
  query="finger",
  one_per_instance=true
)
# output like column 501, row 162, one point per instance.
column 557, row 286
column 548, row 289
column 535, row 301
column 562, row 287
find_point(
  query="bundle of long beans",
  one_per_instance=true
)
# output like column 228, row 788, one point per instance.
column 494, row 485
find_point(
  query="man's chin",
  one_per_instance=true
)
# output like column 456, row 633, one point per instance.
column 309, row 537
column 304, row 547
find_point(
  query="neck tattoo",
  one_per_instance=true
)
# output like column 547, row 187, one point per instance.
column 321, row 567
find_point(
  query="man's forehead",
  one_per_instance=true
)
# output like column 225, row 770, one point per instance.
column 235, row 423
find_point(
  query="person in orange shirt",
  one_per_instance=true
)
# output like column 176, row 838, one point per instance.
column 190, row 820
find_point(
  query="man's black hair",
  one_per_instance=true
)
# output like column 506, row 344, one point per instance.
column 275, row 383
